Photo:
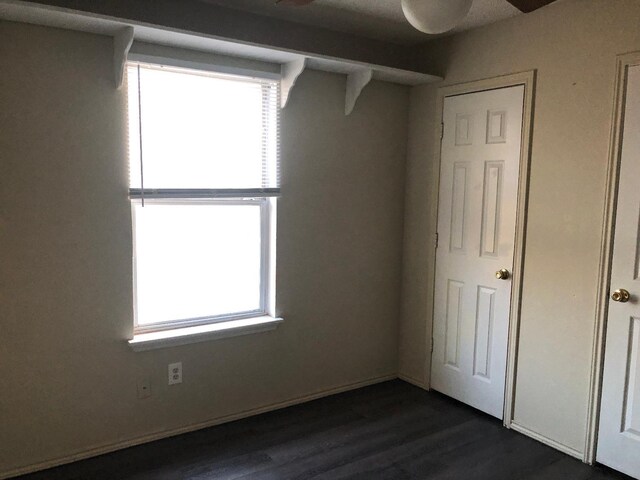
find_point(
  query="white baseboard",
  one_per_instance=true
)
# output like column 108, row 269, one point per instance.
column 108, row 448
column 413, row 381
column 102, row 449
column 547, row 441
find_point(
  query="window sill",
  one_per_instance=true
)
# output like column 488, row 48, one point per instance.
column 202, row 333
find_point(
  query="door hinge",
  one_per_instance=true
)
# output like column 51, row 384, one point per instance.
column 441, row 131
column 432, row 345
column 437, row 239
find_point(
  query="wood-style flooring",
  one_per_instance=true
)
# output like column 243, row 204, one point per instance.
column 388, row 431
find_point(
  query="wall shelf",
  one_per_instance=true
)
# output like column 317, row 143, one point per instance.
column 290, row 63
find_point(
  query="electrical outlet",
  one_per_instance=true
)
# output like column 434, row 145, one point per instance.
column 175, row 373
column 144, row 388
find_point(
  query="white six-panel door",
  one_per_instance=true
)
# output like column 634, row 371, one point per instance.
column 619, row 435
column 480, row 160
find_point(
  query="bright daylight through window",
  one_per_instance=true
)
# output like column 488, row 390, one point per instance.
column 203, row 154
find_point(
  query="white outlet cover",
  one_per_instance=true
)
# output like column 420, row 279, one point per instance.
column 144, row 388
column 175, row 373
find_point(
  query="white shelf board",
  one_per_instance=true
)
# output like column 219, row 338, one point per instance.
column 26, row 12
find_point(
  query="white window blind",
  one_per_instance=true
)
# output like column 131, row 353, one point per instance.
column 217, row 135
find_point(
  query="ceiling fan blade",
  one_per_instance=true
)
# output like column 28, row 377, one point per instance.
column 297, row 3
column 527, row 6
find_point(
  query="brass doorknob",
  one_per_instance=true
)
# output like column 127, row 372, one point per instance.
column 502, row 274
column 621, row 295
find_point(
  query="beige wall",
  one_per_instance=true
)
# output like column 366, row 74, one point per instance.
column 65, row 283
column 68, row 376
column 573, row 46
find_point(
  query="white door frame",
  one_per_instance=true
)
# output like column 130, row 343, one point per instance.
column 528, row 80
column 606, row 253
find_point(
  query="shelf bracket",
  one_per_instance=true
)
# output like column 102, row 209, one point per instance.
column 356, row 82
column 122, row 41
column 290, row 72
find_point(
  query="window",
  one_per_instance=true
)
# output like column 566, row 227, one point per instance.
column 203, row 152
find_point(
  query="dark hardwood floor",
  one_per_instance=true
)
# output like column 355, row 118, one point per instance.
column 388, row 431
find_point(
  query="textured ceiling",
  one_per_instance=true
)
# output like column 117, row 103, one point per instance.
column 379, row 19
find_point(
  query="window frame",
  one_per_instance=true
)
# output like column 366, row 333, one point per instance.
column 266, row 213
column 265, row 198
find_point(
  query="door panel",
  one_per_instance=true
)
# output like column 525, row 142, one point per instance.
column 452, row 327
column 476, row 226
column 491, row 208
column 458, row 206
column 631, row 412
column 484, row 327
column 619, row 434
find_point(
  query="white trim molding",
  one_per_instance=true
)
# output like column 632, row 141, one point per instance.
column 414, row 381
column 112, row 447
column 623, row 62
column 546, row 440
column 528, row 80
column 142, row 342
